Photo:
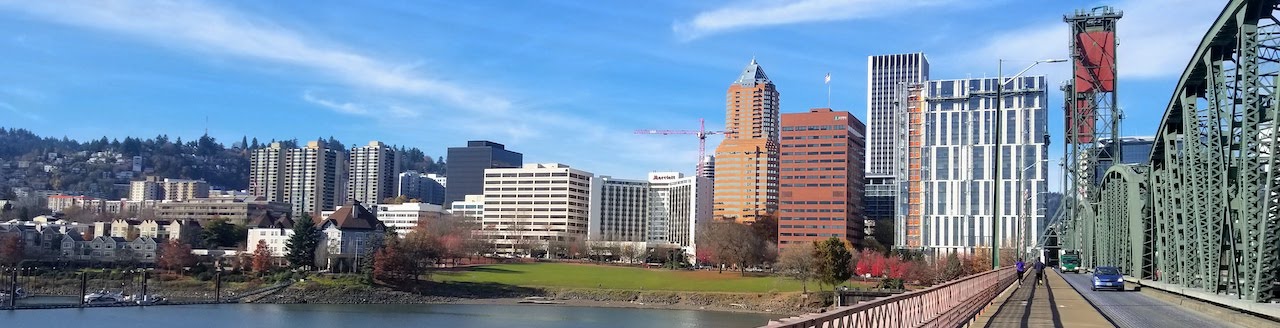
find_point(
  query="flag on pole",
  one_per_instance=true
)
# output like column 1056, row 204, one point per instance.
column 828, row 80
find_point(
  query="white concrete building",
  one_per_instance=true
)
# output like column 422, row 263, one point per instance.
column 404, row 217
column 679, row 205
column 528, row 206
column 315, row 178
column 442, row 180
column 311, row 179
column 182, row 189
column 148, row 189
column 958, row 185
column 267, row 174
column 472, row 206
column 664, row 209
column 373, row 173
column 620, row 210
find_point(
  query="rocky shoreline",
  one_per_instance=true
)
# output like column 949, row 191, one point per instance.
column 304, row 291
column 774, row 303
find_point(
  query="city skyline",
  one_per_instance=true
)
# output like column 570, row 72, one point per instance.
column 247, row 67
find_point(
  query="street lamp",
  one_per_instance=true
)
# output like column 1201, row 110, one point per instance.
column 1020, row 235
column 996, row 151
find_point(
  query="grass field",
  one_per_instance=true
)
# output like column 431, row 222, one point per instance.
column 611, row 277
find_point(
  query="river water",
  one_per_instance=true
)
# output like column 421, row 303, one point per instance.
column 374, row 315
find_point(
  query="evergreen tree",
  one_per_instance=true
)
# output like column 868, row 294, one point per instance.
column 833, row 261
column 302, row 245
column 255, row 144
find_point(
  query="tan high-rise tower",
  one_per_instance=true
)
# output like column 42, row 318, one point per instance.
column 746, row 180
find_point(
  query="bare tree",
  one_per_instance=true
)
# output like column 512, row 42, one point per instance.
column 629, row 252
column 797, row 262
column 731, row 243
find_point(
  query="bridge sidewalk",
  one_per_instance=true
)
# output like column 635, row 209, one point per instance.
column 1049, row 303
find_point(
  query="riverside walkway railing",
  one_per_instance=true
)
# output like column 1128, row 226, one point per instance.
column 951, row 304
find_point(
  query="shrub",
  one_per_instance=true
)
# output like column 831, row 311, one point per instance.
column 204, row 276
column 890, row 283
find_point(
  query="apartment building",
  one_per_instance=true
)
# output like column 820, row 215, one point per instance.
column 373, row 174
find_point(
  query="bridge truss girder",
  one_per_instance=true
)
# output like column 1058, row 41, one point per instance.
column 1203, row 212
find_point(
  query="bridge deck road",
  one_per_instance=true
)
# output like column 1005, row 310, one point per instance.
column 1130, row 308
column 1050, row 302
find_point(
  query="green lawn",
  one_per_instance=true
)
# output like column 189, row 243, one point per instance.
column 610, row 277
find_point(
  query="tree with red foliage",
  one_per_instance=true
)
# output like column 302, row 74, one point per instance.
column 897, row 267
column 175, row 255
column 389, row 261
column 11, row 248
column 863, row 267
column 921, row 272
column 261, row 257
column 705, row 255
column 878, row 264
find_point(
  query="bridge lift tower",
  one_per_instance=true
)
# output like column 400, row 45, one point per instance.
column 1092, row 124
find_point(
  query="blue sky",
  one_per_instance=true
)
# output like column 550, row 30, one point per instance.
column 560, row 81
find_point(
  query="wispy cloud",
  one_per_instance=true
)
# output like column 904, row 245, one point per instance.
column 770, row 13
column 221, row 31
column 1156, row 37
column 338, row 106
column 12, row 109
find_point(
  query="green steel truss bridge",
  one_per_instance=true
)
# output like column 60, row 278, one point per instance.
column 1201, row 216
column 1202, row 212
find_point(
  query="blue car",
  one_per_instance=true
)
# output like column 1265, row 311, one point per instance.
column 1107, row 278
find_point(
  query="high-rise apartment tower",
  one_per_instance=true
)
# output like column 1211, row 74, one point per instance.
column 374, row 173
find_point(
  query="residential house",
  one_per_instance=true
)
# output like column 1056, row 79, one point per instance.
column 143, row 249
column 272, row 228
column 103, row 248
column 348, row 233
column 124, row 228
column 75, row 248
column 185, row 231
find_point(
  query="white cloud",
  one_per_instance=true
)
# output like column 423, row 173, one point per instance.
column 769, row 13
column 206, row 28
column 1157, row 38
column 16, row 111
column 338, row 106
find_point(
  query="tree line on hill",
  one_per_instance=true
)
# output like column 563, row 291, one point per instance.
column 223, row 166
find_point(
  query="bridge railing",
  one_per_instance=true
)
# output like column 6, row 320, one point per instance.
column 950, row 304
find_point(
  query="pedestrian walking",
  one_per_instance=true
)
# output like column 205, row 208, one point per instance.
column 1039, row 271
column 1022, row 268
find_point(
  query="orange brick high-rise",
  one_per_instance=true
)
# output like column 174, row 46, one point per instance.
column 822, row 177
column 746, row 181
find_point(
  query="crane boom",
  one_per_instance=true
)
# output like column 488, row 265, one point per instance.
column 702, row 134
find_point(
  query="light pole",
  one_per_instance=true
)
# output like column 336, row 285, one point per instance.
column 1020, row 235
column 996, row 151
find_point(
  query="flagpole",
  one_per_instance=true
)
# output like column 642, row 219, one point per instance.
column 827, row 80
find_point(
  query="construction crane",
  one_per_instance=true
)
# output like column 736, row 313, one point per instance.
column 701, row 132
